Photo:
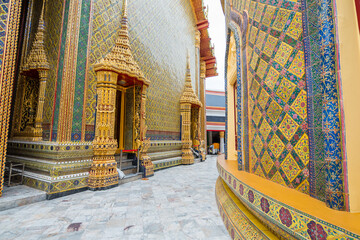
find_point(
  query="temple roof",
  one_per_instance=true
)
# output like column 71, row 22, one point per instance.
column 189, row 95
column 120, row 58
column 206, row 48
column 37, row 59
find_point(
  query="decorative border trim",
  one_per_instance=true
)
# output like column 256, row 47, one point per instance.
column 288, row 219
column 237, row 222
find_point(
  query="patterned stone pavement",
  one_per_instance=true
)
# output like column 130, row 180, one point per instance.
column 177, row 203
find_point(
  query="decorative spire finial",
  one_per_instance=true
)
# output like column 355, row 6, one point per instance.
column 37, row 59
column 124, row 10
column 188, row 61
column 189, row 95
column 124, row 16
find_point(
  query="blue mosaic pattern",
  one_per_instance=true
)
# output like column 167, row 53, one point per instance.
column 325, row 135
column 81, row 71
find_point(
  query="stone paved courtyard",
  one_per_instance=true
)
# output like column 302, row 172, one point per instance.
column 177, row 203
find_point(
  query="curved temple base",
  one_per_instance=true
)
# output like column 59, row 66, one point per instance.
column 288, row 213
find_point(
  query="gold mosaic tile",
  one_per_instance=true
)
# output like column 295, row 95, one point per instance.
column 252, row 9
column 270, row 45
column 298, row 65
column 267, row 162
column 300, row 104
column 262, row 68
column 263, row 98
column 276, row 146
column 258, row 144
column 283, row 53
column 281, row 19
column 255, row 88
column 285, row 89
column 274, row 111
column 253, row 33
column 290, row 167
column 254, row 60
column 304, row 187
column 272, row 78
column 302, row 149
column 260, row 40
column 259, row 172
column 295, row 28
column 269, row 13
column 259, row 11
column 256, row 116
column 265, row 129
column 288, row 127
column 278, row 179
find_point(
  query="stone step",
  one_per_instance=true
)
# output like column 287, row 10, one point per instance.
column 33, row 164
column 130, row 178
column 129, row 170
column 166, row 163
column 19, row 196
column 164, row 155
column 126, row 163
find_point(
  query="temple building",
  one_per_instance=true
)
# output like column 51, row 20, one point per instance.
column 91, row 86
column 291, row 164
column 215, row 119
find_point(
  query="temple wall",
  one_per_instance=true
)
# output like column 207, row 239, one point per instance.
column 53, row 19
column 160, row 49
column 279, row 145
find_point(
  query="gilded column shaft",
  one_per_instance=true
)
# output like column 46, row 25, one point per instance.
column 103, row 173
column 69, row 73
column 202, row 100
column 7, row 78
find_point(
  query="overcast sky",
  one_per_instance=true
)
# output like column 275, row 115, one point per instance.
column 217, row 35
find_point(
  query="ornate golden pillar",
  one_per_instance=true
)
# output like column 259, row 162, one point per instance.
column 187, row 155
column 8, row 58
column 103, row 173
column 188, row 101
column 146, row 162
column 203, row 109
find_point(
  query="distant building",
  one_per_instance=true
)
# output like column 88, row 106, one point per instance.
column 215, row 118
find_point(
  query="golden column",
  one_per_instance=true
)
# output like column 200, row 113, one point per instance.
column 203, row 109
column 188, row 101
column 187, row 155
column 103, row 173
column 7, row 77
column 144, row 142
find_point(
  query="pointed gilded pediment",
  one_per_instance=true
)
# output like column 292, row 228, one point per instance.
column 37, row 59
column 189, row 95
column 120, row 58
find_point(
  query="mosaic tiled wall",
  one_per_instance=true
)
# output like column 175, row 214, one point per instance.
column 160, row 35
column 53, row 21
column 277, row 95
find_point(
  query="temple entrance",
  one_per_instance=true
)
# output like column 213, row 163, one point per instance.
column 120, row 118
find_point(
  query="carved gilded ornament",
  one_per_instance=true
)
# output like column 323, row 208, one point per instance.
column 189, row 101
column 117, row 64
column 35, row 68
